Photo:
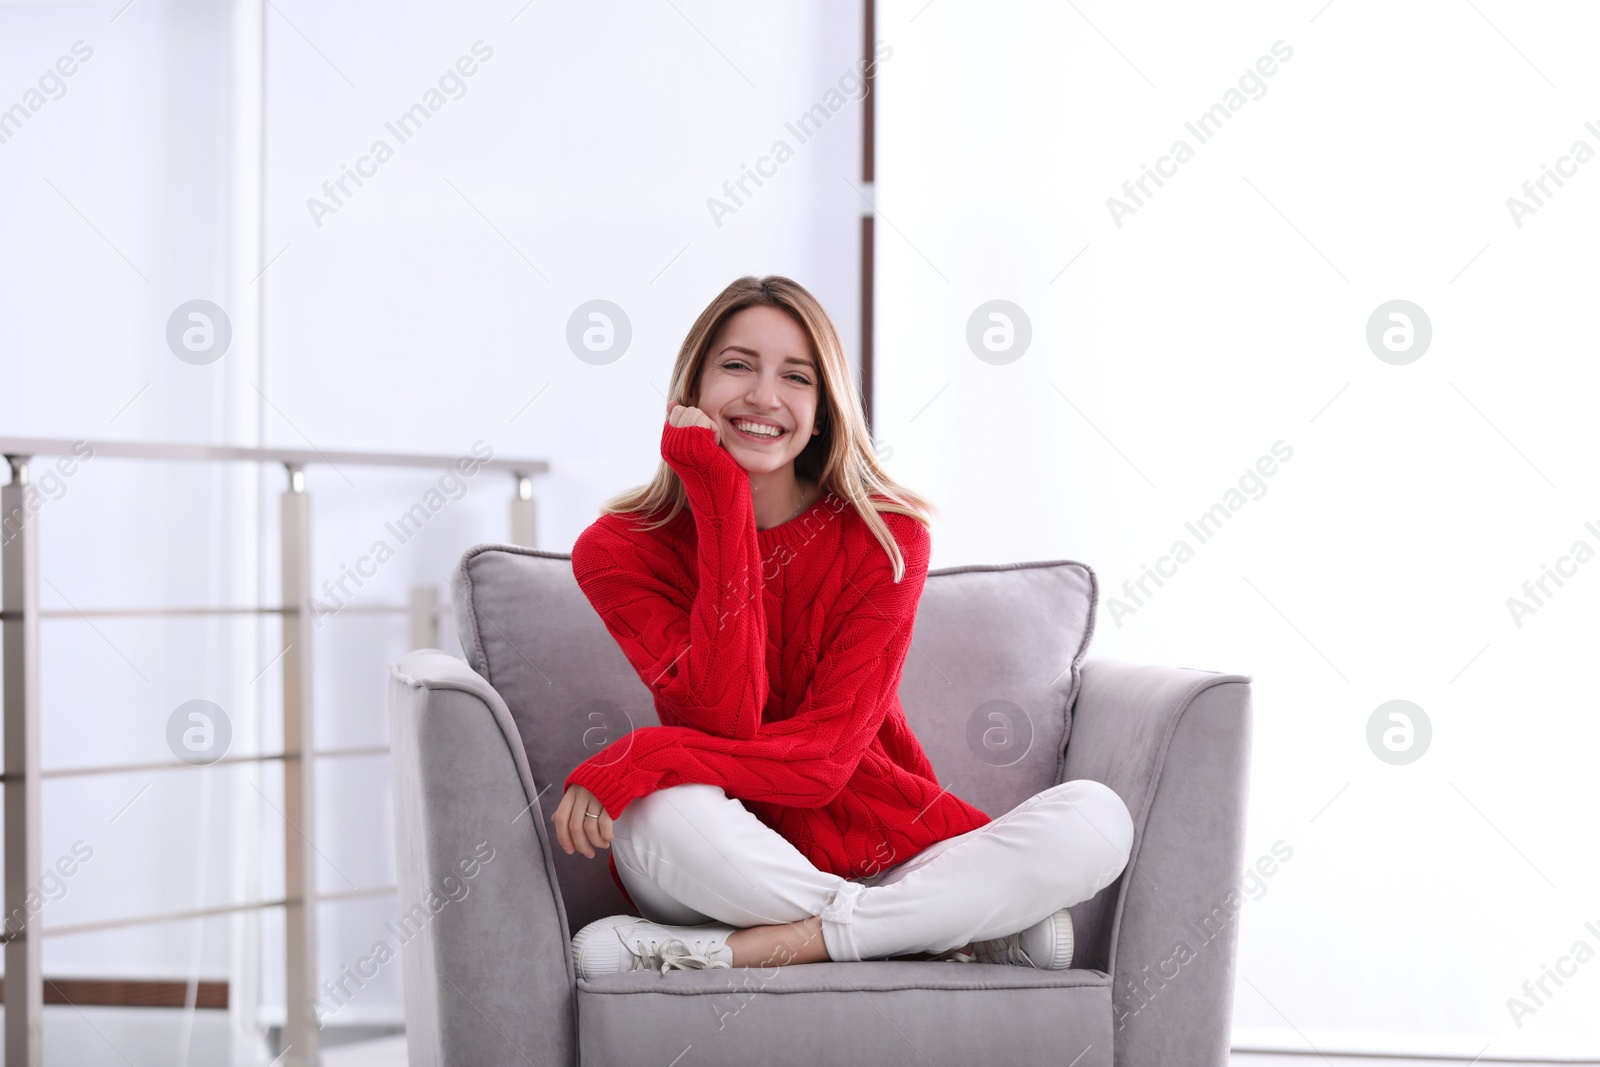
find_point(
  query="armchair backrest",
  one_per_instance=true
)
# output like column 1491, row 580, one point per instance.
column 987, row 687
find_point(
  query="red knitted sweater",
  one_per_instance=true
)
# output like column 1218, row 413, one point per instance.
column 774, row 657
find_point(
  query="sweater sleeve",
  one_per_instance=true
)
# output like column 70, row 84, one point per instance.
column 703, row 657
column 806, row 760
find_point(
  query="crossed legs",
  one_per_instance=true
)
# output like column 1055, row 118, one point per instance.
column 691, row 855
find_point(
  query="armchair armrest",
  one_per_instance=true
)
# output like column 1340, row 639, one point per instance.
column 487, row 972
column 1175, row 745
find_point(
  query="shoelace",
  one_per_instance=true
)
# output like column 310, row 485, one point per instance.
column 675, row 953
column 1010, row 952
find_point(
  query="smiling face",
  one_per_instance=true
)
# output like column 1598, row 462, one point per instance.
column 760, row 370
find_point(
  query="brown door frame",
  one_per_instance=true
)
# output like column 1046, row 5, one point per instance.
column 868, row 166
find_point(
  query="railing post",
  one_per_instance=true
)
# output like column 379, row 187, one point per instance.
column 522, row 512
column 19, row 600
column 299, row 775
column 424, row 612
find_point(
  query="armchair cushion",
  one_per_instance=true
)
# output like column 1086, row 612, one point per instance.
column 846, row 1014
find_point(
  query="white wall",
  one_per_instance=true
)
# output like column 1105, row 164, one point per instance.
column 118, row 210
column 427, row 313
column 1229, row 313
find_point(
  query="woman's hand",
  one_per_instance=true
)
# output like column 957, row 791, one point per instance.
column 573, row 827
column 679, row 415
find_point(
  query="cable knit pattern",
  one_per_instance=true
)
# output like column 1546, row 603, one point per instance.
column 774, row 658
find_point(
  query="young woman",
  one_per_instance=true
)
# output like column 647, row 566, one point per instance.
column 764, row 585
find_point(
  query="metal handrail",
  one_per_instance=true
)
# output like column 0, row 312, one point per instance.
column 20, row 618
column 169, row 765
column 156, row 917
column 140, row 613
column 293, row 457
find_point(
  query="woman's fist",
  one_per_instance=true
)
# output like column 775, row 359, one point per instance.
column 680, row 415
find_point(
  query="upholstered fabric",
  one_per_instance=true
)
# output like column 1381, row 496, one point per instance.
column 989, row 688
column 488, row 978
column 993, row 672
column 1175, row 745
column 880, row 1013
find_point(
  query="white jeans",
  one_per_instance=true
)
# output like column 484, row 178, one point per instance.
column 691, row 855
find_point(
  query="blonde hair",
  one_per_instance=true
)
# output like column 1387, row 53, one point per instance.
column 840, row 459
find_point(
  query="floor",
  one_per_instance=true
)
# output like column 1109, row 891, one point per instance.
column 391, row 1052
column 120, row 1037
column 163, row 1037
column 386, row 1052
column 1261, row 1059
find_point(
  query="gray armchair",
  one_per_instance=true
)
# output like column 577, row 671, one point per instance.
column 996, row 688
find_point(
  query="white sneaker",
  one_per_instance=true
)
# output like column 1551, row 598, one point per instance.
column 1046, row 945
column 620, row 943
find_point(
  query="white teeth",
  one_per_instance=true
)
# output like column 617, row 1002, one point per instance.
column 758, row 429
